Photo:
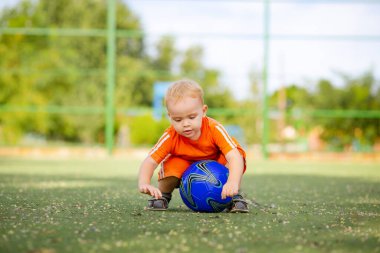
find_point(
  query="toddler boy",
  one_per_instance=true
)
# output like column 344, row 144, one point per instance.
column 191, row 137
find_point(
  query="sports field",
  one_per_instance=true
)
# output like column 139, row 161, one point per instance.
column 52, row 206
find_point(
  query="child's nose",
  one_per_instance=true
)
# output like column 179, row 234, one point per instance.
column 186, row 123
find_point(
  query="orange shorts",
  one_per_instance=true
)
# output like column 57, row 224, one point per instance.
column 175, row 166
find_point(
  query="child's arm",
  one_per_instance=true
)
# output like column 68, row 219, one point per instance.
column 145, row 174
column 236, row 167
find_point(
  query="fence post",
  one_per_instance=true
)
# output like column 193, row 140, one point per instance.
column 265, row 133
column 110, row 89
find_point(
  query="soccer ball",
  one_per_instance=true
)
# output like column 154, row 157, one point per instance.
column 201, row 187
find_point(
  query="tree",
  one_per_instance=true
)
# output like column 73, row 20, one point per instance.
column 54, row 70
column 215, row 94
column 166, row 54
column 360, row 93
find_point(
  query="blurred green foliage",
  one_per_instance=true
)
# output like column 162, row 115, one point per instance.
column 146, row 130
column 70, row 71
column 52, row 70
column 360, row 93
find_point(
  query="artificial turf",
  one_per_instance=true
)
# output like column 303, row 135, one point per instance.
column 52, row 206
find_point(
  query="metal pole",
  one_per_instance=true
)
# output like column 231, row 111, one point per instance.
column 111, row 53
column 265, row 80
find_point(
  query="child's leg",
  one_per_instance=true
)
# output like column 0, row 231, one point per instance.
column 170, row 173
column 167, row 186
column 169, row 178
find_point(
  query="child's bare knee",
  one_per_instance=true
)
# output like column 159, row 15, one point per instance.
column 168, row 184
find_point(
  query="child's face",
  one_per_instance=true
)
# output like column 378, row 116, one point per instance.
column 186, row 116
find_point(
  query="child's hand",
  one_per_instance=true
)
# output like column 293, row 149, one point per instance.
column 230, row 189
column 150, row 190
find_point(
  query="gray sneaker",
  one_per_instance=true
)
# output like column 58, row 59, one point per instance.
column 238, row 205
column 157, row 204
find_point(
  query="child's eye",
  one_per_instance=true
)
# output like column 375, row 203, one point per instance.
column 177, row 120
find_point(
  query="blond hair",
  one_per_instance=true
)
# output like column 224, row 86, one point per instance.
column 184, row 88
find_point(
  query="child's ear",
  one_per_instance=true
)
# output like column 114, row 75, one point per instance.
column 204, row 109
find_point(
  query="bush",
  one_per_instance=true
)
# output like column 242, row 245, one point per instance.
column 145, row 130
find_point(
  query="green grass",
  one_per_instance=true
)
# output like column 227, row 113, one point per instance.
column 94, row 206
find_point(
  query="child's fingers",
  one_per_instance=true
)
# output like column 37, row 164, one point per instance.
column 154, row 192
column 158, row 194
column 229, row 192
column 151, row 190
column 224, row 193
column 144, row 189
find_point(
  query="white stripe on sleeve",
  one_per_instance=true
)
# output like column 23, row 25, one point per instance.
column 226, row 136
column 164, row 137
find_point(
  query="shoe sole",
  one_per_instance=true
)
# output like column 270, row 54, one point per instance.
column 239, row 211
column 156, row 209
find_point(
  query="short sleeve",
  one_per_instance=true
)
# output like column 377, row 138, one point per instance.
column 162, row 147
column 222, row 139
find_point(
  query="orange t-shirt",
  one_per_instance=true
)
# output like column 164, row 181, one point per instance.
column 213, row 142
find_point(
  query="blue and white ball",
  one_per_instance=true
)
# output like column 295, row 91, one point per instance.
column 201, row 187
